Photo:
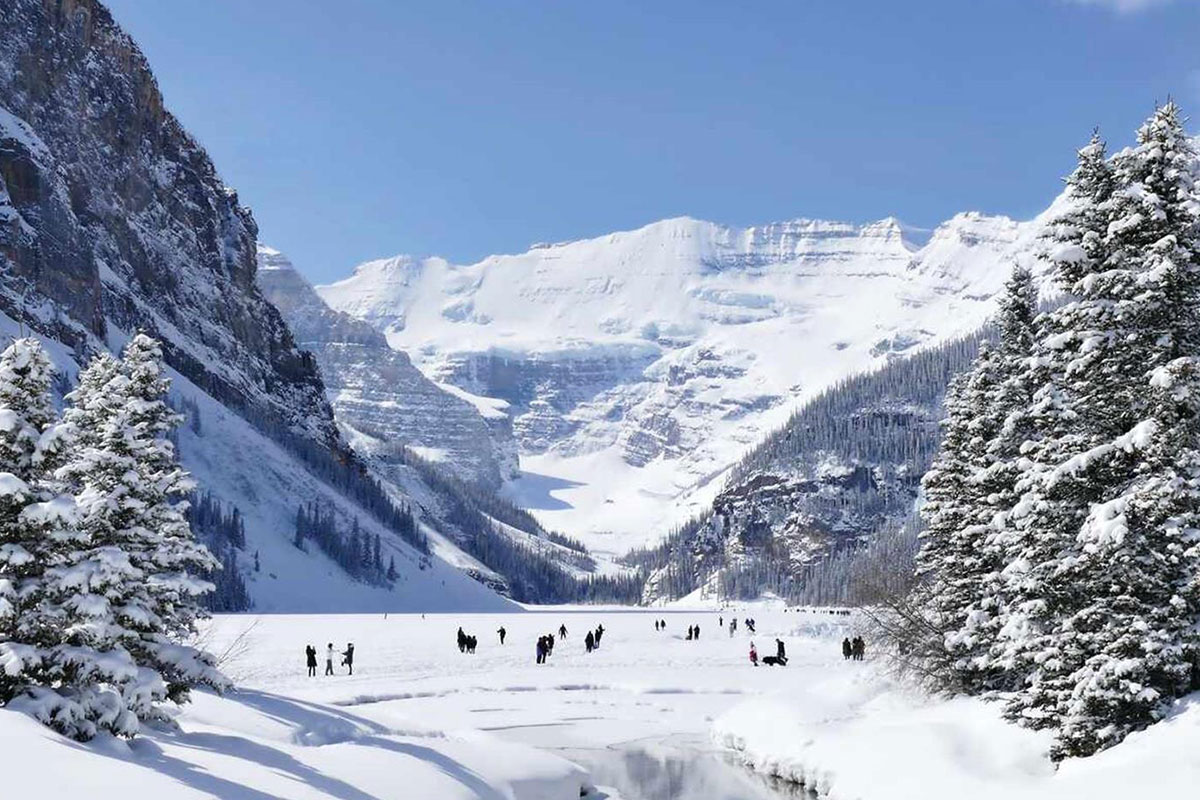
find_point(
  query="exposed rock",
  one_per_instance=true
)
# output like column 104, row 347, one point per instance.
column 113, row 215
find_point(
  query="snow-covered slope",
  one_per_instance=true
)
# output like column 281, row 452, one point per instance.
column 638, row 366
column 241, row 467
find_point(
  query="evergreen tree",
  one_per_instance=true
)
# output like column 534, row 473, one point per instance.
column 966, row 485
column 129, row 491
column 59, row 661
column 1131, row 639
column 1098, row 600
column 1075, row 397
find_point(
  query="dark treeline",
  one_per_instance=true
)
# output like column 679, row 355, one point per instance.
column 224, row 533
column 534, row 572
column 534, row 576
column 357, row 552
column 343, row 470
column 885, row 422
column 864, row 418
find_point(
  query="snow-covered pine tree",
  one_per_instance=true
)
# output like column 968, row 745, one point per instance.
column 1132, row 638
column 127, row 484
column 1002, row 429
column 56, row 660
column 176, row 558
column 962, row 490
column 1071, row 381
column 25, row 414
column 1100, row 584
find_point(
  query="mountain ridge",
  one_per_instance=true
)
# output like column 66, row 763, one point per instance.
column 639, row 365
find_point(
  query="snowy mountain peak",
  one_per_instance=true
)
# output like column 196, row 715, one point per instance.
column 638, row 365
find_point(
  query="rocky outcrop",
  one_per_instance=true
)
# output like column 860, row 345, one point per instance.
column 112, row 218
column 377, row 391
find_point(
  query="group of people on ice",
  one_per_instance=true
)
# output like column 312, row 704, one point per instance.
column 466, row 644
column 733, row 624
column 853, row 649
column 310, row 657
column 777, row 660
column 693, row 632
column 592, row 640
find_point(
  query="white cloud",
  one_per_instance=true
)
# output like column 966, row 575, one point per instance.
column 1122, row 6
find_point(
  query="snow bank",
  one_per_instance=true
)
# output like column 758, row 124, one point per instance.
column 858, row 736
column 256, row 745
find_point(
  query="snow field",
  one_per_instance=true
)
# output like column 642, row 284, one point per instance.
column 419, row 719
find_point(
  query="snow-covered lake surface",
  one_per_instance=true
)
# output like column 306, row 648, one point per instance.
column 649, row 716
column 636, row 713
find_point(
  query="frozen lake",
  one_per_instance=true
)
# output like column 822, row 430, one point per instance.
column 636, row 713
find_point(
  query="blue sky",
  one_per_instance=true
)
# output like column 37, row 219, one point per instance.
column 363, row 128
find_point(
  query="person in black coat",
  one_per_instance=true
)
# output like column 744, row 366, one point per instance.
column 348, row 657
column 589, row 642
column 502, row 633
column 847, row 649
column 310, row 655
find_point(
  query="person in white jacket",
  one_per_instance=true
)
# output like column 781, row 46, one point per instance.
column 329, row 659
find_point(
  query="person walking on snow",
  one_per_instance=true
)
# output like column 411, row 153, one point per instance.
column 780, row 652
column 329, row 659
column 348, row 657
column 501, row 632
column 562, row 631
column 847, row 649
column 310, row 655
column 753, row 655
column 599, row 633
column 589, row 642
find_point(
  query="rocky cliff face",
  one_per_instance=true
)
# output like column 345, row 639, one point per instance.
column 379, row 393
column 112, row 218
column 639, row 366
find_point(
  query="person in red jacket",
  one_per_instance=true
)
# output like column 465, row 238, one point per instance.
column 753, row 655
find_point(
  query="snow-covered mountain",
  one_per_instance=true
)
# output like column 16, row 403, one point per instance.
column 377, row 391
column 112, row 218
column 640, row 365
